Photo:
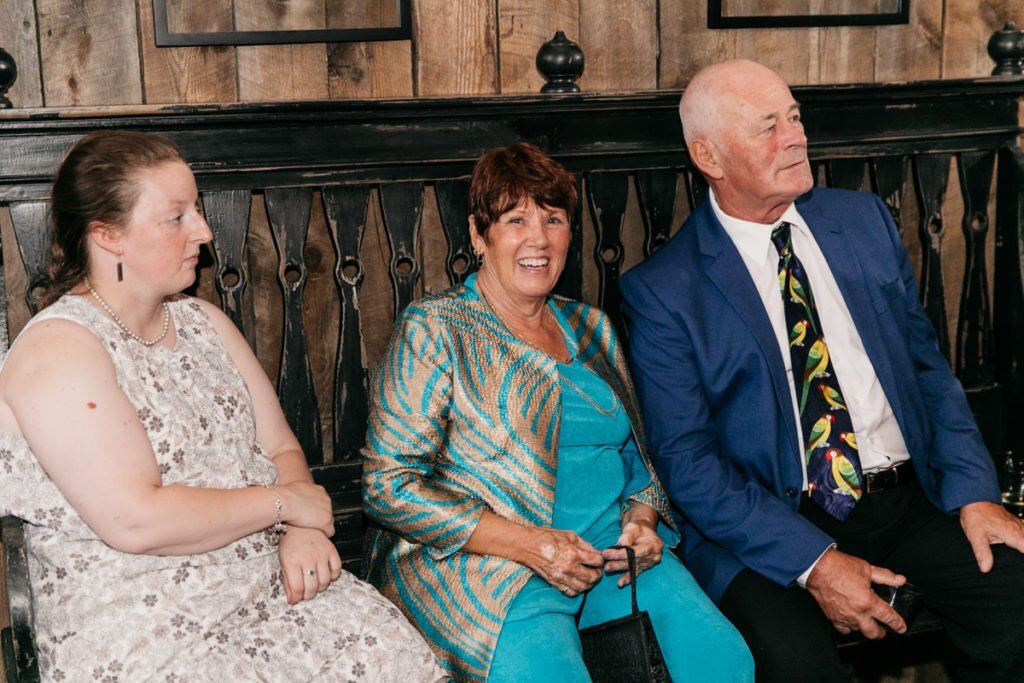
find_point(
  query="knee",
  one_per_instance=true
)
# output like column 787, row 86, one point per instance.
column 735, row 651
column 721, row 656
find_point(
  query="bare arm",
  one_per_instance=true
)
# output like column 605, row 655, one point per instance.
column 561, row 558
column 309, row 561
column 272, row 428
column 62, row 390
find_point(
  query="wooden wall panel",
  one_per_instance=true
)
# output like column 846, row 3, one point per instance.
column 786, row 50
column 620, row 41
column 687, row 44
column 90, row 52
column 267, row 303
column 369, row 70
column 376, row 305
column 525, row 25
column 433, row 246
column 844, row 54
column 188, row 74
column 456, row 47
column 18, row 37
column 912, row 52
column 968, row 26
column 281, row 72
column 103, row 52
column 321, row 311
column 366, row 69
column 15, row 281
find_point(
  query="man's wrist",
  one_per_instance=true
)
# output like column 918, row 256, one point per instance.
column 802, row 579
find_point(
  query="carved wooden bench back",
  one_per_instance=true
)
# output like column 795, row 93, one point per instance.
column 317, row 180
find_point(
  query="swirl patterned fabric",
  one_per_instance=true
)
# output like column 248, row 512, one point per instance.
column 465, row 417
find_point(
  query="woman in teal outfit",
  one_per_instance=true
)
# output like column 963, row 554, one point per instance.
column 505, row 455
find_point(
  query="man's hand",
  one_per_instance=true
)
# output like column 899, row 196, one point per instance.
column 841, row 584
column 987, row 523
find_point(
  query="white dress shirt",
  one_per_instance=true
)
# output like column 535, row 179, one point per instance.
column 880, row 443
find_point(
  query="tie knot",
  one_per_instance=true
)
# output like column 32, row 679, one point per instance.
column 781, row 238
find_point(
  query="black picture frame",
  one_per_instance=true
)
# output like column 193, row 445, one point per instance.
column 901, row 15
column 166, row 38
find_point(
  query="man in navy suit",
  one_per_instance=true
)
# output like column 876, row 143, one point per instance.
column 711, row 352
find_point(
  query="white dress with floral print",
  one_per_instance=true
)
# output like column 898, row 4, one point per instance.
column 104, row 615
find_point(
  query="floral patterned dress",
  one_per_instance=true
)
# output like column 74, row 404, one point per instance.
column 104, row 615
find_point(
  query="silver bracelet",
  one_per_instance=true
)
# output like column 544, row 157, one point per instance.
column 277, row 528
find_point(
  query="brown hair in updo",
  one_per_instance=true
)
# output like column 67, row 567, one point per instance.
column 505, row 176
column 97, row 181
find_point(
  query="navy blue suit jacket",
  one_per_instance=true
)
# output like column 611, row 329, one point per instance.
column 717, row 403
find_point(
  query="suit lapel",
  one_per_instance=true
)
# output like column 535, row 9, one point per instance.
column 725, row 268
column 852, row 273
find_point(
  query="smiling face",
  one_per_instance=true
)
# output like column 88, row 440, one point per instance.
column 523, row 251
column 160, row 241
column 755, row 156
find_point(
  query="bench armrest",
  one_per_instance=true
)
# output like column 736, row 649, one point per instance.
column 19, row 652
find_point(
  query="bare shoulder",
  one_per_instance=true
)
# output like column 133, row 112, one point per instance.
column 229, row 335
column 55, row 341
column 48, row 356
column 221, row 322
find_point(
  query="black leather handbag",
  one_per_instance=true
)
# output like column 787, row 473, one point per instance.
column 625, row 649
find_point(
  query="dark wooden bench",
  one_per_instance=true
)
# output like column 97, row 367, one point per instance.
column 330, row 216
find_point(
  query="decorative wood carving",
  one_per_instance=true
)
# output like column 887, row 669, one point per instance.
column 227, row 214
column 288, row 213
column 345, row 206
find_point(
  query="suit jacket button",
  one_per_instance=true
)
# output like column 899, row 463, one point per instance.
column 790, row 492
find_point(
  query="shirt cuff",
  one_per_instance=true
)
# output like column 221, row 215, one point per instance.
column 802, row 579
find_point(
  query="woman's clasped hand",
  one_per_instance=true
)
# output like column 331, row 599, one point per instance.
column 309, row 560
column 147, row 452
column 504, row 450
column 565, row 561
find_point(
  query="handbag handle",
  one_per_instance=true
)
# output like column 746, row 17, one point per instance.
column 631, row 561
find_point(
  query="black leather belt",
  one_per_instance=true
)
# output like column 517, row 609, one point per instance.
column 888, row 479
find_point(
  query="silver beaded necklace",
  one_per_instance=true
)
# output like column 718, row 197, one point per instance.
column 145, row 342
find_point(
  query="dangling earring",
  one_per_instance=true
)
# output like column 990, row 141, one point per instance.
column 120, row 272
column 479, row 259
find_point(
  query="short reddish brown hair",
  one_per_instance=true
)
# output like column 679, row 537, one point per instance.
column 505, row 176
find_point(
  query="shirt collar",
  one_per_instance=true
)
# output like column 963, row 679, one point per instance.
column 754, row 240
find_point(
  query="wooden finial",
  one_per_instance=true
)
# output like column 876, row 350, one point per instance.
column 560, row 61
column 8, row 75
column 1006, row 47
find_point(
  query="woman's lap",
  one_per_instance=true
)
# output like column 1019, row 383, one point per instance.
column 542, row 648
column 698, row 643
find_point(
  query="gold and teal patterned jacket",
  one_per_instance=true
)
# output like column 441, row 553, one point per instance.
column 464, row 418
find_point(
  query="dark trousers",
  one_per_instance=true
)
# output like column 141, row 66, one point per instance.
column 899, row 529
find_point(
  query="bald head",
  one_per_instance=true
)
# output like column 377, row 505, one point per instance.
column 710, row 100
column 744, row 133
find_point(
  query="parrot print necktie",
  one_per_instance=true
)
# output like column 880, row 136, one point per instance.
column 833, row 467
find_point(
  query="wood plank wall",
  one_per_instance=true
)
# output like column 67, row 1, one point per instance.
column 93, row 52
column 79, row 53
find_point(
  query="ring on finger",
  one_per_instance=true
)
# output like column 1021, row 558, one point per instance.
column 312, row 572
column 565, row 589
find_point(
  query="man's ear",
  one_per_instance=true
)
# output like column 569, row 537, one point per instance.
column 106, row 237
column 706, row 158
